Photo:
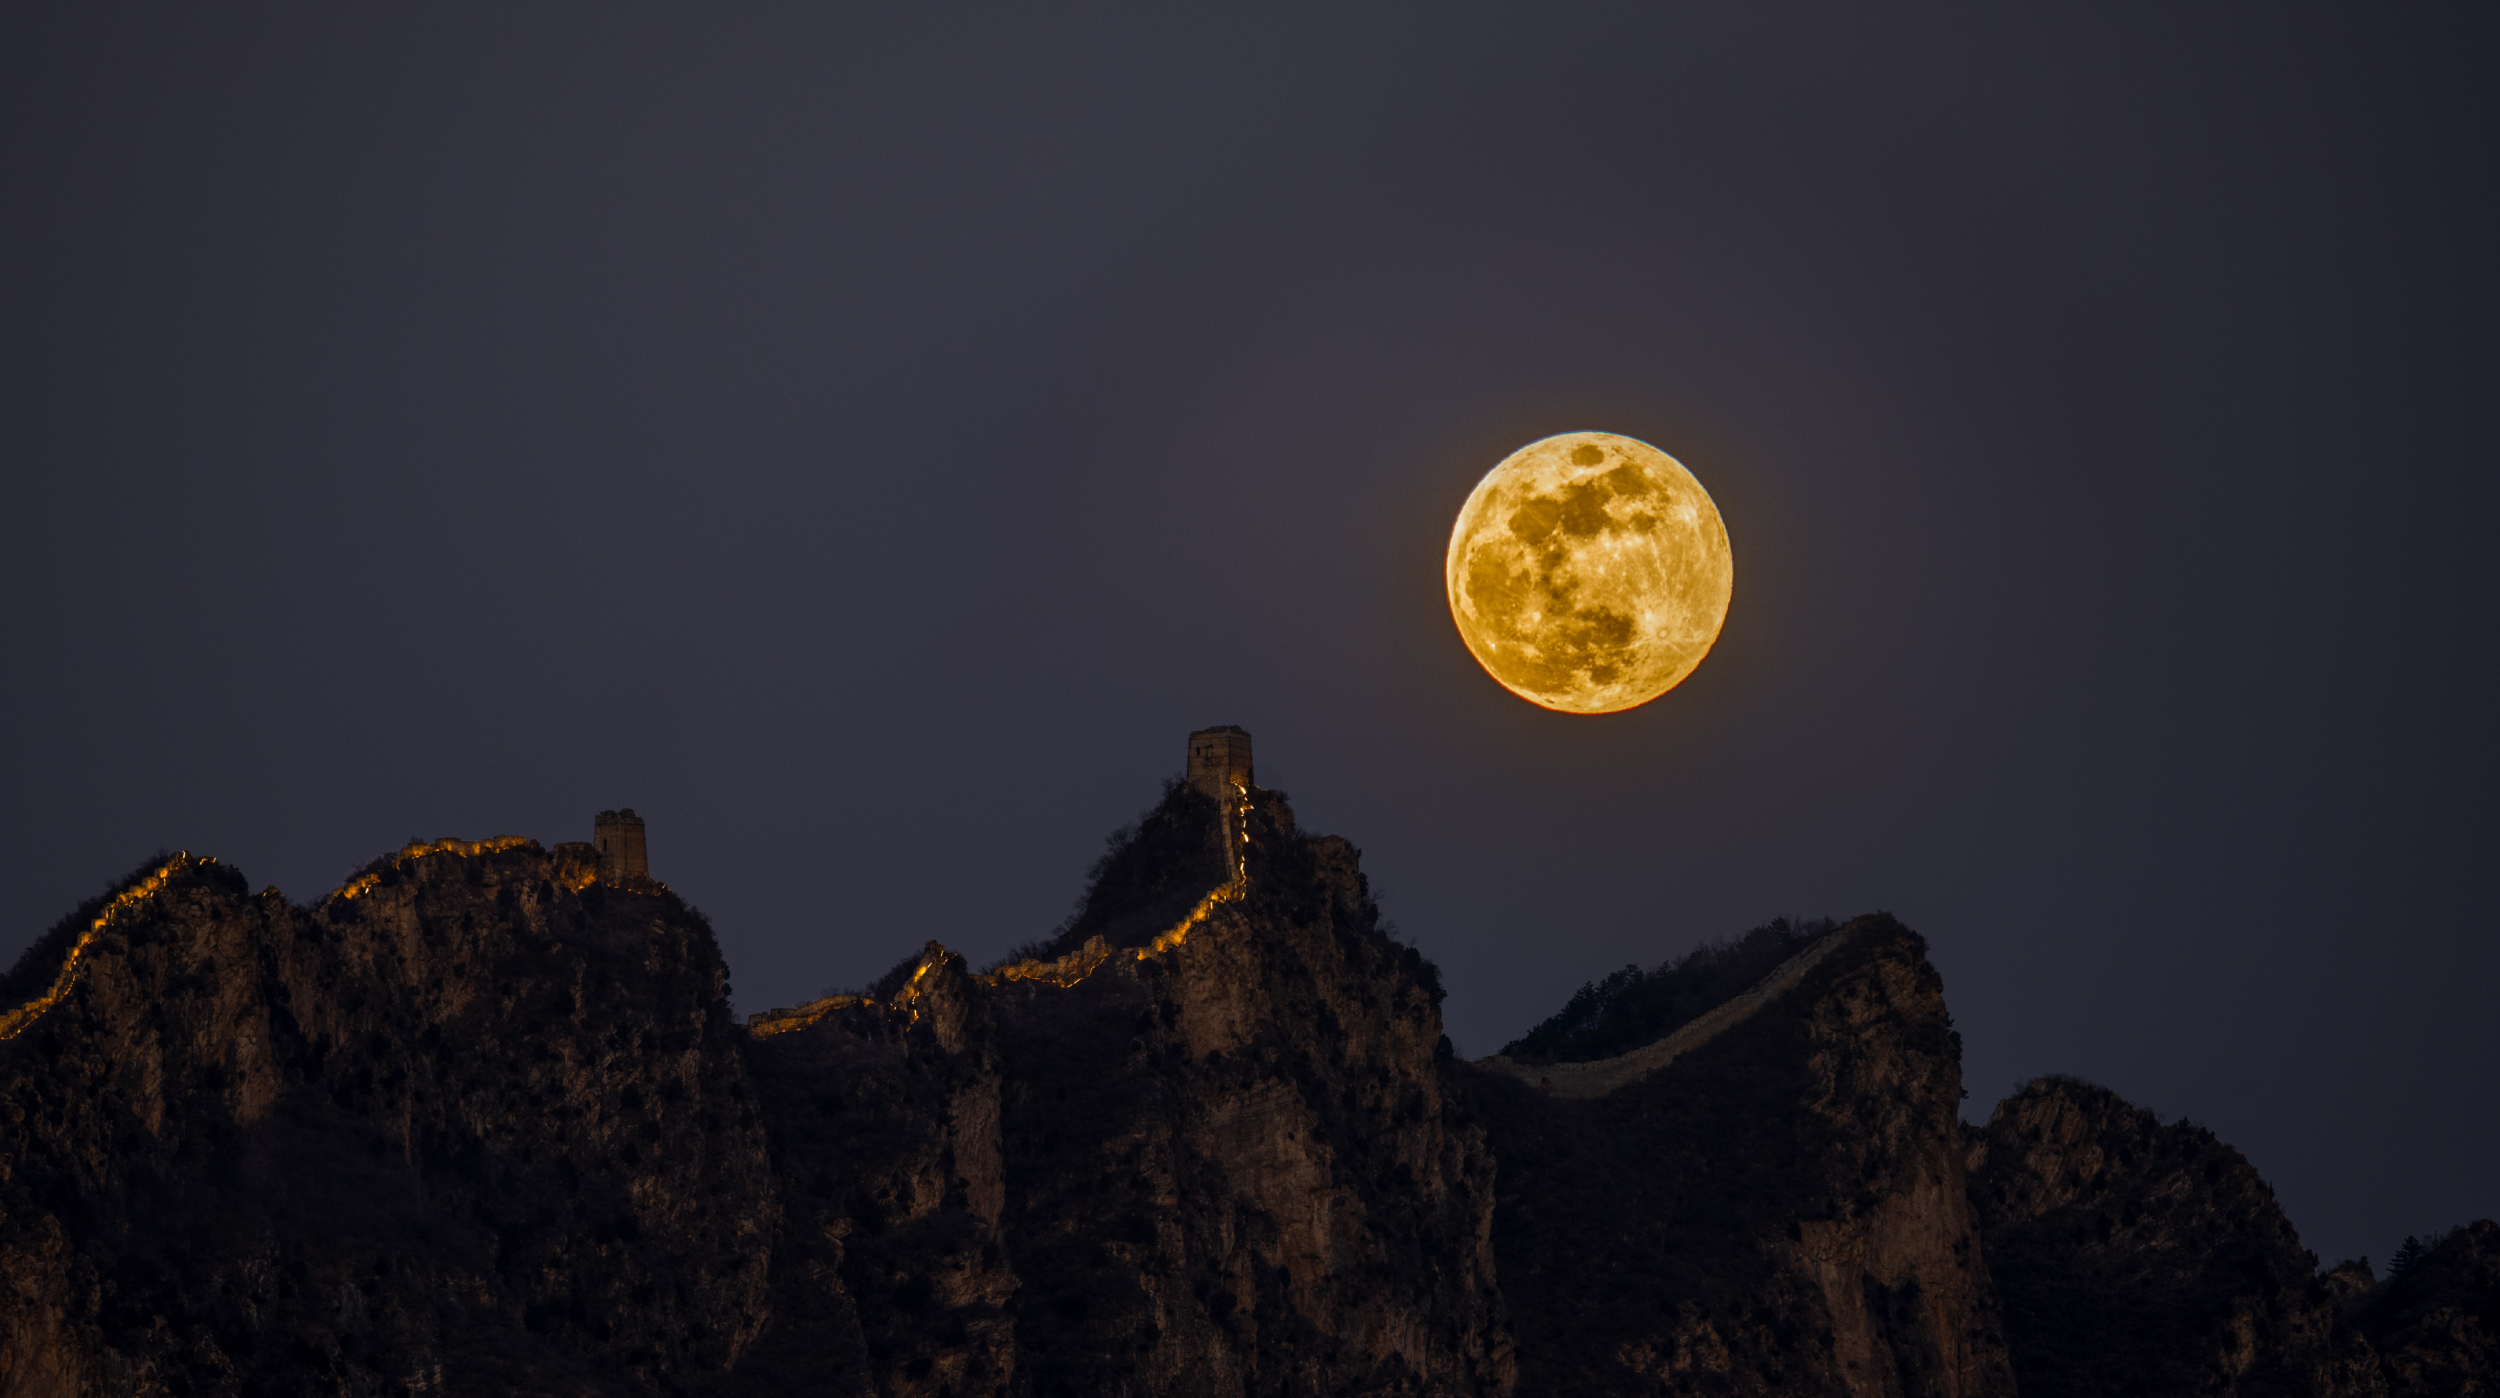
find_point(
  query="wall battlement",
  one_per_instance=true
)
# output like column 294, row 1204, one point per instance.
column 1604, row 1075
column 623, row 858
column 1219, row 765
column 1219, row 760
column 15, row 1021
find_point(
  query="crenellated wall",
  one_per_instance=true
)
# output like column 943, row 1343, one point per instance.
column 1219, row 760
column 623, row 857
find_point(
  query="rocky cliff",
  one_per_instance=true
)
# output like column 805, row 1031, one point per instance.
column 1198, row 1146
column 479, row 1122
column 2134, row 1256
column 2138, row 1257
column 471, row 1123
column 1779, row 1208
column 2436, row 1325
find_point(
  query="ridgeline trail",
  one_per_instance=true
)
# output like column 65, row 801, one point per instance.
column 1067, row 969
column 1578, row 1080
column 16, row 1021
column 1604, row 1075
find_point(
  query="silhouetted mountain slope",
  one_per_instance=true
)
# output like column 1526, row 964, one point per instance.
column 2436, row 1326
column 479, row 1123
column 1236, row 1166
column 468, row 1130
column 1780, row 1210
column 2134, row 1257
column 1632, row 1007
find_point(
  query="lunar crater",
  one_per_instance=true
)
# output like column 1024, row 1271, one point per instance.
column 1589, row 572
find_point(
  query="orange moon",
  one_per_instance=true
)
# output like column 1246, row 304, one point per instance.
column 1589, row 572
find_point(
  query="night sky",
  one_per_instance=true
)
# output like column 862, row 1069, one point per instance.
column 867, row 446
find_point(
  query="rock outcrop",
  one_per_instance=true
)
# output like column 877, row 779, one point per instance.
column 1778, row 1209
column 480, row 1123
column 474, row 1128
column 2436, row 1326
column 1231, row 1165
column 2137, row 1257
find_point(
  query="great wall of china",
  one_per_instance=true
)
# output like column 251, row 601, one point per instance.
column 615, row 856
column 15, row 1021
column 1219, row 763
column 1604, row 1075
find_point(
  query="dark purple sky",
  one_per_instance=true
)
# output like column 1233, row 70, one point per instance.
column 867, row 446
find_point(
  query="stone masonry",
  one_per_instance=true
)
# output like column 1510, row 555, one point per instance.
column 1218, row 757
column 618, row 835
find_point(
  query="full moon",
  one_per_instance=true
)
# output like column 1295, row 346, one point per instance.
column 1589, row 572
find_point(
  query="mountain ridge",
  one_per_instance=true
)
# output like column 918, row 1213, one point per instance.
column 485, row 1124
column 1597, row 1077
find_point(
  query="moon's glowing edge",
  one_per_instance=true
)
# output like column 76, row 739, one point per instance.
column 1702, row 572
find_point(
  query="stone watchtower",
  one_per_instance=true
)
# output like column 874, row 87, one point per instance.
column 618, row 837
column 1218, row 757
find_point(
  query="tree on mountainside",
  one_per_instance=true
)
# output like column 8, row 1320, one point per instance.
column 2407, row 1258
